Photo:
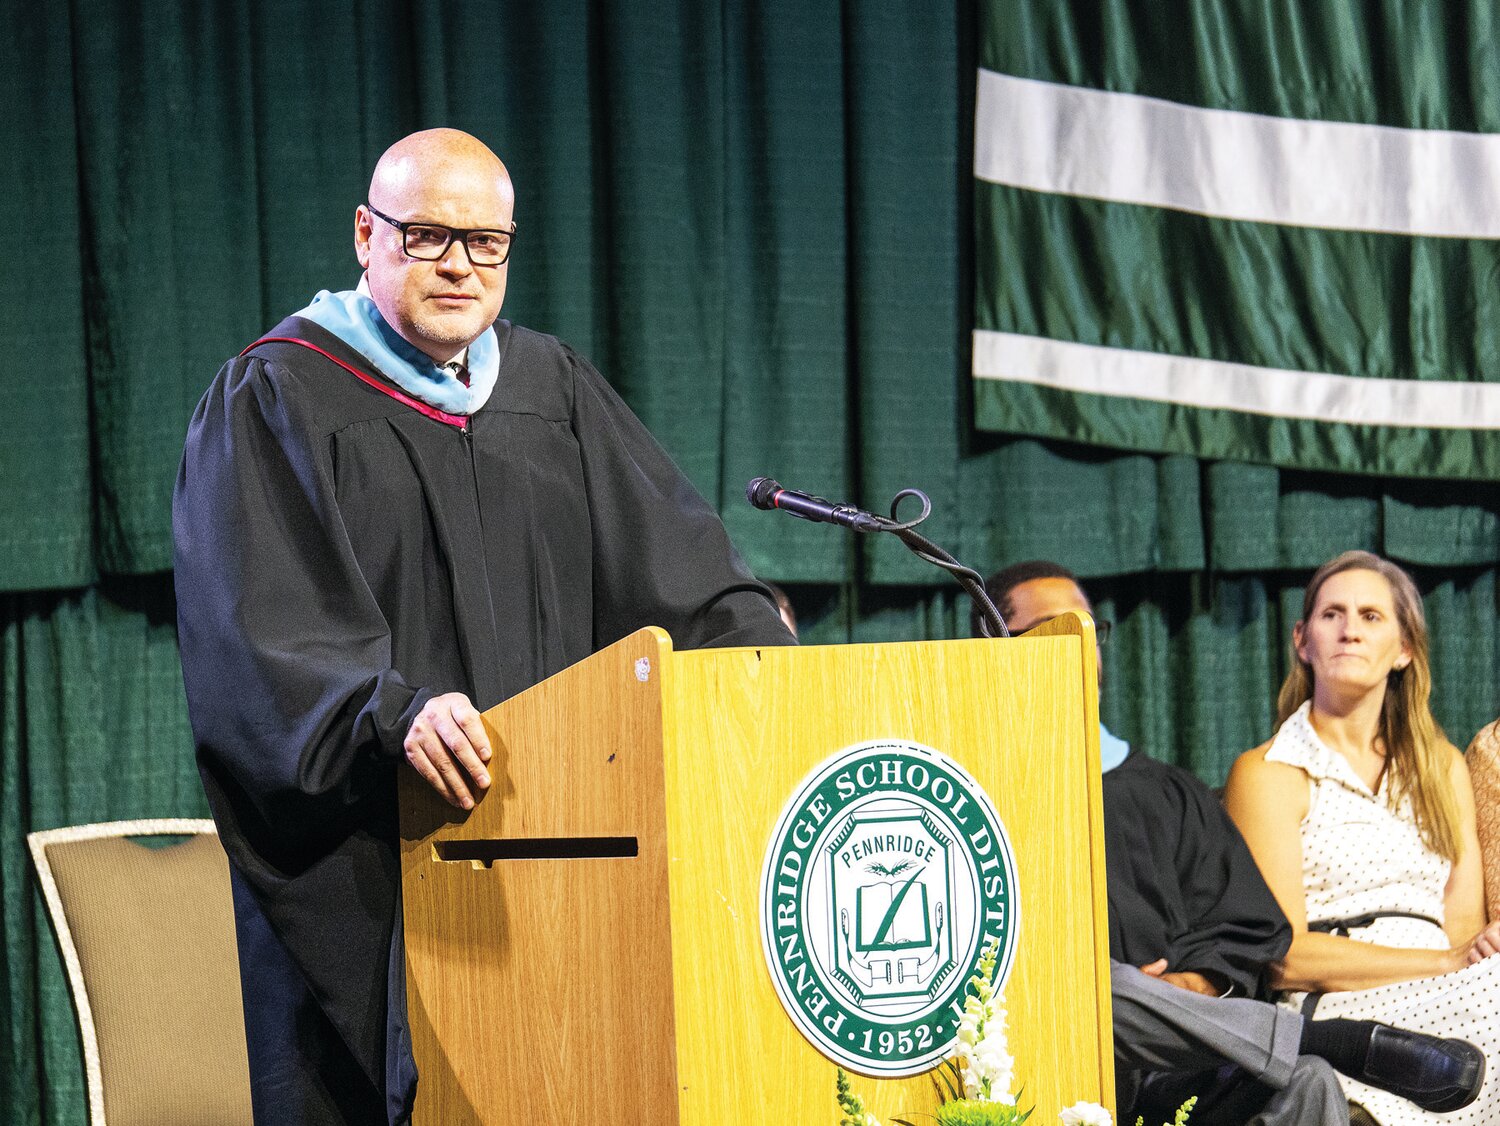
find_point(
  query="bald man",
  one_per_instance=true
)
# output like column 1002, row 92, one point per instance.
column 395, row 510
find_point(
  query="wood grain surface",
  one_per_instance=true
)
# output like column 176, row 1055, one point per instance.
column 747, row 726
column 635, row 989
column 541, row 990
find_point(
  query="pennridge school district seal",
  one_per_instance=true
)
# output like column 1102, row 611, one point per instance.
column 886, row 874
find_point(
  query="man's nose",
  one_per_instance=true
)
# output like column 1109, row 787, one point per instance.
column 455, row 260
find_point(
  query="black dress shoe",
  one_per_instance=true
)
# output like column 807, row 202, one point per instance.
column 1435, row 1073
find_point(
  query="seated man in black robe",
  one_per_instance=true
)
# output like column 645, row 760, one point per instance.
column 395, row 510
column 1192, row 930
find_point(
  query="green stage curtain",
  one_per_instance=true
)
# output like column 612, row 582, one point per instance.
column 755, row 216
column 93, row 727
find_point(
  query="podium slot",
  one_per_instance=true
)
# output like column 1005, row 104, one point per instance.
column 536, row 848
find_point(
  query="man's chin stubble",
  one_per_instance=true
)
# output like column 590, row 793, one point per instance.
column 447, row 333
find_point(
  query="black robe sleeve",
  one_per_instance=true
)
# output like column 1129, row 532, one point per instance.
column 286, row 655
column 298, row 715
column 661, row 555
column 1182, row 883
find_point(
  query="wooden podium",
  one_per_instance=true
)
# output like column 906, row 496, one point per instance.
column 585, row 945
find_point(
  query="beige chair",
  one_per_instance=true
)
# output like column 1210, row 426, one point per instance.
column 147, row 935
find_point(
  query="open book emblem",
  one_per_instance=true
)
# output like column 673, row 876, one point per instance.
column 886, row 873
column 892, row 891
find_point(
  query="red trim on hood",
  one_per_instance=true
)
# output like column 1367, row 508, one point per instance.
column 458, row 420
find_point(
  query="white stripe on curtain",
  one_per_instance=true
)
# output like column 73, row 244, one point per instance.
column 1131, row 149
column 1218, row 385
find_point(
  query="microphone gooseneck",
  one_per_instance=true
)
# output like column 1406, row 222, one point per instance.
column 764, row 493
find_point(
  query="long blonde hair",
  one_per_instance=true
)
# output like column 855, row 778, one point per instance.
column 1412, row 739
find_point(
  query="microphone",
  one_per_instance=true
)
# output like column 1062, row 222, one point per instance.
column 766, row 493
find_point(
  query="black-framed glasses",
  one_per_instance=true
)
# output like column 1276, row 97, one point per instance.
column 430, row 241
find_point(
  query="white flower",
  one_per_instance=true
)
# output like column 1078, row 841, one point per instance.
column 998, row 1094
column 977, row 1014
column 1085, row 1114
column 973, row 1082
column 992, row 1057
column 984, row 1061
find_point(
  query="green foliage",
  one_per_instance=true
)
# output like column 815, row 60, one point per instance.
column 984, row 975
column 947, row 1080
column 1178, row 1119
column 967, row 1112
column 850, row 1103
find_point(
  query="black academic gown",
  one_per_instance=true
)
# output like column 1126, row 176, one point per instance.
column 1182, row 883
column 340, row 558
column 1183, row 886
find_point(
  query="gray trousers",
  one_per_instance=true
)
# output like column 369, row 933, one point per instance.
column 1159, row 1027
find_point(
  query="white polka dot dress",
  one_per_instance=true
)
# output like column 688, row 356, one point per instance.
column 1359, row 856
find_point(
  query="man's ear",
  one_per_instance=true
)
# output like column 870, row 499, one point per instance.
column 364, row 224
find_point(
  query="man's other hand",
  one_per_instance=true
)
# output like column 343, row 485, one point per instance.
column 1190, row 980
column 448, row 747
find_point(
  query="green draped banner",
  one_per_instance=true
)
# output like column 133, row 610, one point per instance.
column 1268, row 238
column 754, row 216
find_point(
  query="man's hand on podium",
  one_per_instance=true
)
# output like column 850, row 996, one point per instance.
column 447, row 745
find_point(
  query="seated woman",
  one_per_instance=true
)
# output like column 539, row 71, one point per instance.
column 1483, row 758
column 1361, row 817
